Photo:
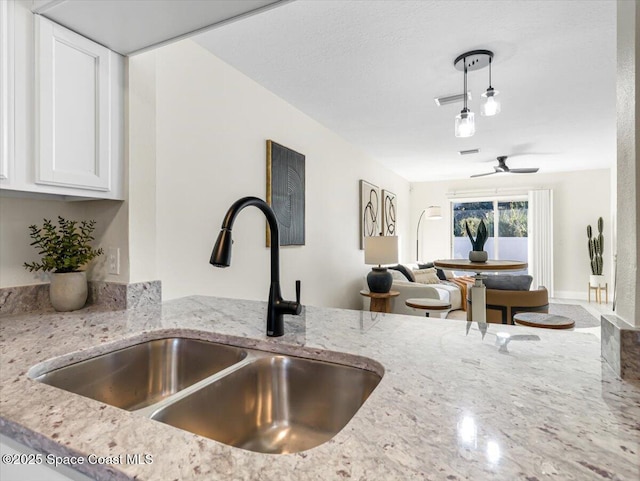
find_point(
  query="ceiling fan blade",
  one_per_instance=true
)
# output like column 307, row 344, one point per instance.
column 488, row 173
column 522, row 154
column 530, row 170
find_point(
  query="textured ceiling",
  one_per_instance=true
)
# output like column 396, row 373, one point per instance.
column 369, row 70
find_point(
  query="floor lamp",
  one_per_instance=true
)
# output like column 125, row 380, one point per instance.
column 433, row 213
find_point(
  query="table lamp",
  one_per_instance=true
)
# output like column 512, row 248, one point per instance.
column 380, row 250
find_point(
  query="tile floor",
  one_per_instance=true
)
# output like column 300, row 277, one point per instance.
column 592, row 308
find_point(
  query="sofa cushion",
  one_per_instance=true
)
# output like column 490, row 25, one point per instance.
column 455, row 295
column 508, row 283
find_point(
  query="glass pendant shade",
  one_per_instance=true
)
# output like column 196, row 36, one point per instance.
column 491, row 105
column 465, row 124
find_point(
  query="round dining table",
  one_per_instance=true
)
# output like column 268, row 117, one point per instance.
column 478, row 291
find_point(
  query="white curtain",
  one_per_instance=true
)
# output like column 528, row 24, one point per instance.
column 540, row 221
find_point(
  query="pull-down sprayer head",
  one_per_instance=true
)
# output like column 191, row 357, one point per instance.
column 221, row 255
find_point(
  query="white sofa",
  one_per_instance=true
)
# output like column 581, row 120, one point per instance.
column 410, row 290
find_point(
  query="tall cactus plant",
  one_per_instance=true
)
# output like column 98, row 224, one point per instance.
column 596, row 248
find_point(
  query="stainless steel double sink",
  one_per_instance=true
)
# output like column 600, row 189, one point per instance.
column 255, row 400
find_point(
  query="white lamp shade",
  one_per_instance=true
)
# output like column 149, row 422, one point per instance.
column 381, row 250
column 434, row 212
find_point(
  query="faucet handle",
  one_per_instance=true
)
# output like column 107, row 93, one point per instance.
column 298, row 291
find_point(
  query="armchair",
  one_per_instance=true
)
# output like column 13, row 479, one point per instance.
column 503, row 304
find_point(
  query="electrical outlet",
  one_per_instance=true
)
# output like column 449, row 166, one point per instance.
column 113, row 260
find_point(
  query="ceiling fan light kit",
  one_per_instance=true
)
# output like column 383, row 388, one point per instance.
column 471, row 61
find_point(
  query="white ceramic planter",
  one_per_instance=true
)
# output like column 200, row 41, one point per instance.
column 68, row 291
column 597, row 281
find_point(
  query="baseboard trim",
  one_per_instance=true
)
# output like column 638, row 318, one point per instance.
column 578, row 295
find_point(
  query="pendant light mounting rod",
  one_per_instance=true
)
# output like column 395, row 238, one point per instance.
column 465, row 89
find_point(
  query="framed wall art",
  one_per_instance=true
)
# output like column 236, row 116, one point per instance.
column 389, row 211
column 286, row 193
column 369, row 211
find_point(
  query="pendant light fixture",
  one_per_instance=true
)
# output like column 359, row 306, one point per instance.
column 465, row 121
column 491, row 105
column 470, row 61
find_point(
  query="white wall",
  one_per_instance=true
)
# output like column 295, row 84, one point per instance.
column 212, row 125
column 579, row 199
column 16, row 214
column 142, row 167
column 15, row 217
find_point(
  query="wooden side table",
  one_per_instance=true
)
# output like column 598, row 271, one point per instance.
column 541, row 319
column 429, row 305
column 380, row 302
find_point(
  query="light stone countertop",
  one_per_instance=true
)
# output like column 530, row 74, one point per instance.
column 451, row 404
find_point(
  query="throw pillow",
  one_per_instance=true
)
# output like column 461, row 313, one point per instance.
column 397, row 275
column 426, row 276
column 408, row 273
column 442, row 275
column 508, row 283
column 448, row 274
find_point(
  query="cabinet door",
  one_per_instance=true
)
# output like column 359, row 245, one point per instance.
column 6, row 89
column 73, row 108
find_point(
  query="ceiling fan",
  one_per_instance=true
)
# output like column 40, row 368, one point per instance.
column 503, row 168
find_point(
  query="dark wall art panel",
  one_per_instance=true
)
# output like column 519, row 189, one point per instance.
column 286, row 192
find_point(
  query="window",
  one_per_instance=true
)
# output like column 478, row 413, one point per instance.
column 506, row 222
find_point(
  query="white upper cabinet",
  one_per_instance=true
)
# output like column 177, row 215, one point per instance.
column 66, row 130
column 73, row 109
column 6, row 90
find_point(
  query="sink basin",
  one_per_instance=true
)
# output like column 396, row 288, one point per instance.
column 250, row 399
column 274, row 404
column 144, row 374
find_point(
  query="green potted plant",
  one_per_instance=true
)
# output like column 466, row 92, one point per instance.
column 596, row 248
column 477, row 254
column 64, row 249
